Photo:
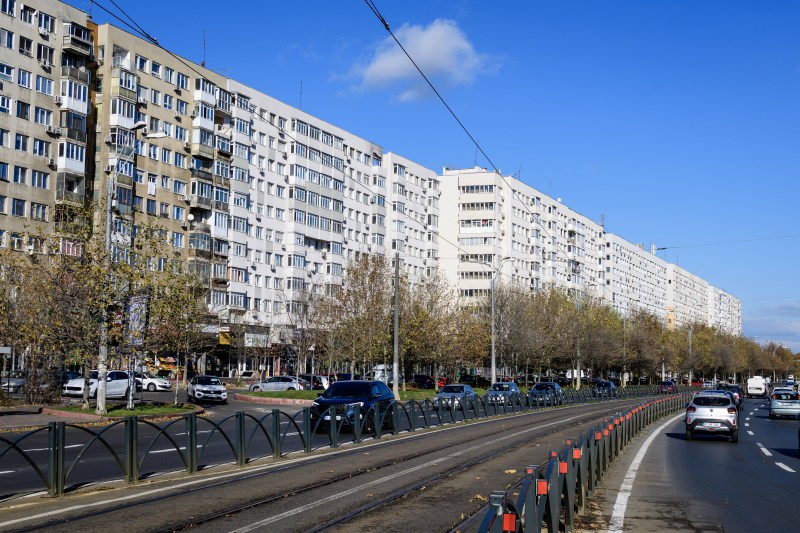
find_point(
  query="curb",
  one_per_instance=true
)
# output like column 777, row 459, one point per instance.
column 89, row 417
column 264, row 399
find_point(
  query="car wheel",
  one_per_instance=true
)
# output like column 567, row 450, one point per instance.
column 151, row 387
column 127, row 392
column 689, row 434
column 735, row 436
column 94, row 395
column 771, row 414
column 291, row 388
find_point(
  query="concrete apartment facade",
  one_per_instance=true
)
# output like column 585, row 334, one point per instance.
column 45, row 146
column 267, row 202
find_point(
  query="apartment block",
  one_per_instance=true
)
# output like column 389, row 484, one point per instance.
column 268, row 203
column 46, row 55
column 635, row 278
column 492, row 222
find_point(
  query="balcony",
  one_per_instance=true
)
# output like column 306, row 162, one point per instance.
column 196, row 253
column 223, row 107
column 221, row 206
column 64, row 196
column 202, row 174
column 202, row 150
column 200, row 227
column 77, row 39
column 73, row 73
column 199, row 202
column 221, row 181
column 122, row 179
column 77, row 136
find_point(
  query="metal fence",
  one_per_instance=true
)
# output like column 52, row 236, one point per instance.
column 243, row 437
column 552, row 494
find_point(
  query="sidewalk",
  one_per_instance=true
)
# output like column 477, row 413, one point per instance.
column 30, row 416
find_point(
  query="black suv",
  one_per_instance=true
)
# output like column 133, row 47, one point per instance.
column 549, row 388
column 355, row 402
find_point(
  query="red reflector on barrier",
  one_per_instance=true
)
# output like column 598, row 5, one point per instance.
column 553, row 453
column 562, row 467
column 605, row 432
column 597, row 436
column 576, row 453
column 541, row 487
column 569, row 442
column 610, row 427
column 509, row 522
column 529, row 470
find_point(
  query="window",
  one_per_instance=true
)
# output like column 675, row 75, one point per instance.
column 25, row 46
column 178, row 212
column 38, row 212
column 2, row 208
column 17, row 207
column 45, row 53
column 72, row 151
column 20, row 174
column 46, row 22
column 182, row 81
column 5, row 105
column 7, row 7
column 3, row 171
column 6, row 38
column 41, row 148
column 155, row 69
column 23, row 110
column 24, row 78
column 43, row 116
column 44, row 85
column 39, row 179
column 182, row 107
column 177, row 239
column 169, row 75
column 178, row 187
column 168, row 101
column 141, row 63
column 21, row 142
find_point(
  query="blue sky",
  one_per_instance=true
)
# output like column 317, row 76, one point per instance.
column 675, row 121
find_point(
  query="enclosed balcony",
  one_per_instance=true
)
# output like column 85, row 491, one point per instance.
column 70, row 188
column 77, row 39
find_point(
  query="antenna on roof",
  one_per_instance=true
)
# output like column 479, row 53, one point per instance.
column 603, row 221
column 301, row 95
column 203, row 63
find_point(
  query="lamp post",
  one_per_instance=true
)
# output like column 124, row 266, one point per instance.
column 494, row 336
column 102, row 358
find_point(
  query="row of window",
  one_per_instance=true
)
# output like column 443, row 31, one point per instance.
column 17, row 207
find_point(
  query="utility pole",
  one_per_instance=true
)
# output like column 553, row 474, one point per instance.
column 396, row 355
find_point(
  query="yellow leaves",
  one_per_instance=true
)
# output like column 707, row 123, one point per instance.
column 479, row 498
column 510, row 471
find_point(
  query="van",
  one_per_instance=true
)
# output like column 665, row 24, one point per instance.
column 383, row 373
column 756, row 386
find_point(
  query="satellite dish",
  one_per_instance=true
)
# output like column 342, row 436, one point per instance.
column 190, row 217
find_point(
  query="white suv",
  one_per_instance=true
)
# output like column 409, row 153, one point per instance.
column 208, row 388
column 712, row 412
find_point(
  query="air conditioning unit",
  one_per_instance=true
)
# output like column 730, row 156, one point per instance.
column 145, row 131
column 193, row 114
column 272, row 268
column 284, row 155
column 186, row 198
column 262, row 170
column 142, row 100
column 43, row 32
column 286, row 179
column 283, row 247
column 345, row 240
column 44, row 63
column 50, row 129
column 58, row 100
column 309, row 273
column 58, row 131
column 281, row 134
column 187, row 146
column 184, row 226
column 372, row 200
column 109, row 169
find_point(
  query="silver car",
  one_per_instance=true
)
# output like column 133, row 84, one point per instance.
column 278, row 383
column 784, row 403
column 712, row 412
column 501, row 391
column 454, row 395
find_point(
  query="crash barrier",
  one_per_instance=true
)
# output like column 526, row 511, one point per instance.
column 130, row 444
column 553, row 493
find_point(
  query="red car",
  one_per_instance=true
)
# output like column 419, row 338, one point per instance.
column 668, row 387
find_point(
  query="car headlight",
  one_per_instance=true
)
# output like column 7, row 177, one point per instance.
column 314, row 404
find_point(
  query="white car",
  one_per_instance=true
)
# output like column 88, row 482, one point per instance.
column 153, row 383
column 116, row 385
column 280, row 383
column 207, row 388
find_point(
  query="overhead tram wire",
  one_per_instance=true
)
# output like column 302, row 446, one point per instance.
column 728, row 242
column 144, row 34
column 371, row 5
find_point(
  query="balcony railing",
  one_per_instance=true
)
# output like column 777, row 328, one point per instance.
column 69, row 197
column 200, row 227
column 200, row 202
column 202, row 150
column 75, row 74
column 202, row 174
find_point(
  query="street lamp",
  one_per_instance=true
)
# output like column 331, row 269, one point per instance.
column 104, row 340
column 494, row 354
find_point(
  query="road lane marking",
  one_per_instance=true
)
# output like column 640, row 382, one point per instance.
column 747, row 418
column 784, row 467
column 618, row 516
column 48, row 449
column 764, row 450
column 746, row 425
column 749, row 432
column 7, row 472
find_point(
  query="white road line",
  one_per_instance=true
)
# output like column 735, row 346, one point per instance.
column 747, row 418
column 47, row 449
column 784, row 467
column 764, row 450
column 746, row 425
column 749, row 432
column 250, row 471
column 7, row 472
column 618, row 516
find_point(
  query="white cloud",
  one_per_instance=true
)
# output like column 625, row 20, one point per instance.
column 441, row 50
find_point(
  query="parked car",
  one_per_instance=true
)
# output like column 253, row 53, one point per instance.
column 784, row 403
column 207, row 388
column 318, row 382
column 423, row 381
column 359, row 398
column 153, row 383
column 605, row 389
column 668, row 386
column 117, row 384
column 501, row 392
column 278, row 383
column 712, row 412
column 455, row 394
column 549, row 388
column 13, row 382
column 248, row 375
column 165, row 374
column 475, row 381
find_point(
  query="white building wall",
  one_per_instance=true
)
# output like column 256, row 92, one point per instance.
column 687, row 297
column 635, row 278
column 724, row 311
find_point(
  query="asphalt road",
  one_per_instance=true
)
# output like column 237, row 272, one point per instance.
column 709, row 483
column 442, row 474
